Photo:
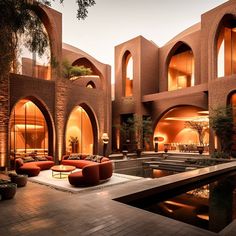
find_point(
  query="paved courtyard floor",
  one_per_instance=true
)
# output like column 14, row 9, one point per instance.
column 41, row 210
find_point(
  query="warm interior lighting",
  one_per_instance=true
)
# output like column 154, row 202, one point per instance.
column 80, row 126
column 172, row 126
column 105, row 138
column 181, row 69
column 193, row 118
column 203, row 112
column 28, row 126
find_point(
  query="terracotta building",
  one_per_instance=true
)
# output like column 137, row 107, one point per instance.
column 43, row 112
column 184, row 80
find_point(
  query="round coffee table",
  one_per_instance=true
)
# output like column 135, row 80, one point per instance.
column 61, row 170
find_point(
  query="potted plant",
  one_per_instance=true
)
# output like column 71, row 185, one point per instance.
column 200, row 127
column 138, row 130
column 74, row 143
column 221, row 121
column 74, row 72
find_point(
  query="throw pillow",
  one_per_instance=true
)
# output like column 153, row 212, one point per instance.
column 74, row 157
column 28, row 159
column 94, row 158
column 40, row 158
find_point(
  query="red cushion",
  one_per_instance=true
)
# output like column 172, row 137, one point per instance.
column 77, row 163
column 105, row 170
column 29, row 169
column 88, row 176
column 44, row 165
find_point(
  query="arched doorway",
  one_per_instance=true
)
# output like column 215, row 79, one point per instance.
column 173, row 132
column 79, row 132
column 225, row 46
column 30, row 131
column 181, row 68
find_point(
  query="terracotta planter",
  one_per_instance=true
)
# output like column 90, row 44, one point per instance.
column 74, row 147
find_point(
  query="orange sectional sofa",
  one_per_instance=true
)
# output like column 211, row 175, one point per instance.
column 32, row 166
column 94, row 169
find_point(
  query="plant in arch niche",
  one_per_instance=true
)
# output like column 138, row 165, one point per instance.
column 139, row 129
column 221, row 121
column 74, row 143
column 74, row 72
column 199, row 125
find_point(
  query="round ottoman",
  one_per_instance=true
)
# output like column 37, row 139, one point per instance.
column 19, row 180
column 30, row 170
column 8, row 190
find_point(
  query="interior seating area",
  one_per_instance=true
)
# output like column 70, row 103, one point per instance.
column 32, row 165
column 95, row 169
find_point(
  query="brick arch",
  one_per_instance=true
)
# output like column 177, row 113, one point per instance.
column 83, row 61
column 216, row 24
column 48, row 118
column 178, row 47
column 125, row 59
column 172, row 129
column 49, row 23
column 93, row 119
column 164, row 111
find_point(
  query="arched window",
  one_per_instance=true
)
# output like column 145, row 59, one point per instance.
column 29, row 130
column 128, row 74
column 91, row 84
column 226, row 47
column 79, row 132
column 30, row 63
column 181, row 68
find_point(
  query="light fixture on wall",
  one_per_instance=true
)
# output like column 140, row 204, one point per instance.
column 105, row 140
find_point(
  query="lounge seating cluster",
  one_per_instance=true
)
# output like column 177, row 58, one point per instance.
column 94, row 169
column 32, row 165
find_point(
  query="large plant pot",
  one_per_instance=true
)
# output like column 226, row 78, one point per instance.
column 200, row 149
column 74, row 147
column 8, row 190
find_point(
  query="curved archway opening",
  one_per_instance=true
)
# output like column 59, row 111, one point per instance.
column 79, row 132
column 174, row 133
column 30, row 130
column 128, row 74
column 91, row 85
column 226, row 46
column 181, row 68
column 27, row 61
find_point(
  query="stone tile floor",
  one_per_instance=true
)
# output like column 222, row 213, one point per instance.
column 40, row 210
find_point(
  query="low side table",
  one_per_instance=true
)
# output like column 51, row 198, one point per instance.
column 61, row 170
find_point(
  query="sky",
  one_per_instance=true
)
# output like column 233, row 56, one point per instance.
column 112, row 22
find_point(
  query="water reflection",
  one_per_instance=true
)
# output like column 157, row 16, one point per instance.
column 209, row 207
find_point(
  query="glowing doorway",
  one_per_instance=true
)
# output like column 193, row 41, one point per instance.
column 79, row 132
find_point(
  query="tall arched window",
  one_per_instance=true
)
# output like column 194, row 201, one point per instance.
column 30, row 63
column 181, row 68
column 79, row 132
column 128, row 74
column 226, row 47
column 29, row 131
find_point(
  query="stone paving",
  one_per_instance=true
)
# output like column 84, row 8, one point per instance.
column 40, row 210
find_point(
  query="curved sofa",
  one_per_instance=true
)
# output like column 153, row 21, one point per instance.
column 93, row 172
column 33, row 168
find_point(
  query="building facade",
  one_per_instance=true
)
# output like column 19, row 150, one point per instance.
column 44, row 112
column 186, row 79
